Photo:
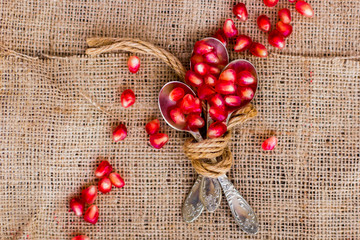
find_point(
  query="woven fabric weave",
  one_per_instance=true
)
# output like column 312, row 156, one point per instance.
column 52, row 137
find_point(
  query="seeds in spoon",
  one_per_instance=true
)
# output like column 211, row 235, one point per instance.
column 245, row 78
column 232, row 100
column 201, row 48
column 245, row 93
column 176, row 94
column 225, row 87
column 228, row 75
column 195, row 121
column 201, row 68
column 218, row 114
column 217, row 100
column 177, row 116
column 205, row 92
column 193, row 79
column 196, row 59
column 216, row 129
column 210, row 80
column 211, row 58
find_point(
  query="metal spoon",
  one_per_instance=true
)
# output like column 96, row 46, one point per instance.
column 193, row 205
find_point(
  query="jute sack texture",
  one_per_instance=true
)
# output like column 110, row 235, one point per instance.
column 57, row 114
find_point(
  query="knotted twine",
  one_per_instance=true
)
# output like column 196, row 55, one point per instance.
column 198, row 152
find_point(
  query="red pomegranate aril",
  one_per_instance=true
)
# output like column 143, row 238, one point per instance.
column 276, row 39
column 271, row 3
column 205, row 92
column 81, row 237
column 158, row 140
column 217, row 101
column 92, row 214
column 77, row 206
column 133, row 64
column 245, row 93
column 258, row 50
column 216, row 129
column 201, row 48
column 89, row 194
column 245, row 78
column 193, row 79
column 229, row 28
column 187, row 103
column 232, row 100
column 284, row 29
column 210, row 80
column 176, row 94
column 269, row 144
column 127, row 98
column 196, row 59
column 211, row 58
column 285, row 15
column 214, row 70
column 104, row 185
column 243, row 43
column 218, row 113
column 225, row 87
column 153, row 126
column 304, row 8
column 292, row 1
column 197, row 106
column 177, row 116
column 103, row 170
column 119, row 133
column 201, row 68
column 194, row 121
column 116, row 180
column 220, row 35
column 264, row 23
column 228, row 75
column 240, row 12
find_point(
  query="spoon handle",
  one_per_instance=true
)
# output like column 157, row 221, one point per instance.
column 193, row 207
column 242, row 212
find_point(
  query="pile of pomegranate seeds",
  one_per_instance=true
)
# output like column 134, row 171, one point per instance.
column 89, row 194
column 276, row 37
column 157, row 140
column 81, row 237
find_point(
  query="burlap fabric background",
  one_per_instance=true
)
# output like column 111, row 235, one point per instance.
column 51, row 136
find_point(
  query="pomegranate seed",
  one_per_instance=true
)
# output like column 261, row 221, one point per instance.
column 243, row 42
column 246, row 93
column 228, row 75
column 201, row 48
column 103, row 170
column 259, row 50
column 88, row 195
column 194, row 121
column 214, row 70
column 153, row 126
column 232, row 100
column 229, row 28
column 116, row 180
column 220, row 35
column 225, row 87
column 104, row 185
column 205, row 92
column 127, row 98
column 292, row 1
column 284, row 29
column 196, row 59
column 176, row 94
column 210, row 80
column 133, row 64
column 193, row 79
column 119, row 133
column 285, row 15
column 304, row 9
column 77, row 206
column 197, row 106
column 188, row 104
column 177, row 116
column 269, row 144
column 81, row 237
column 276, row 39
column 217, row 101
column 245, row 78
column 216, row 129
column 218, row 114
column 271, row 3
column 92, row 214
column 264, row 23
column 201, row 68
column 158, row 140
column 211, row 58
column 240, row 12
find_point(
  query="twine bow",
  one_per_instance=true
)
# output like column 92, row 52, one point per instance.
column 197, row 152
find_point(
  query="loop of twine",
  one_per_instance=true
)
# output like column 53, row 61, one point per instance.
column 198, row 152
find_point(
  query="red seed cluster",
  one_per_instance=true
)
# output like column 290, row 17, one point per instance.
column 158, row 140
column 89, row 194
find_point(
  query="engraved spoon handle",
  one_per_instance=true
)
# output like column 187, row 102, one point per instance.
column 242, row 212
column 193, row 207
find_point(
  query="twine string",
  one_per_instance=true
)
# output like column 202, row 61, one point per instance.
column 198, row 152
